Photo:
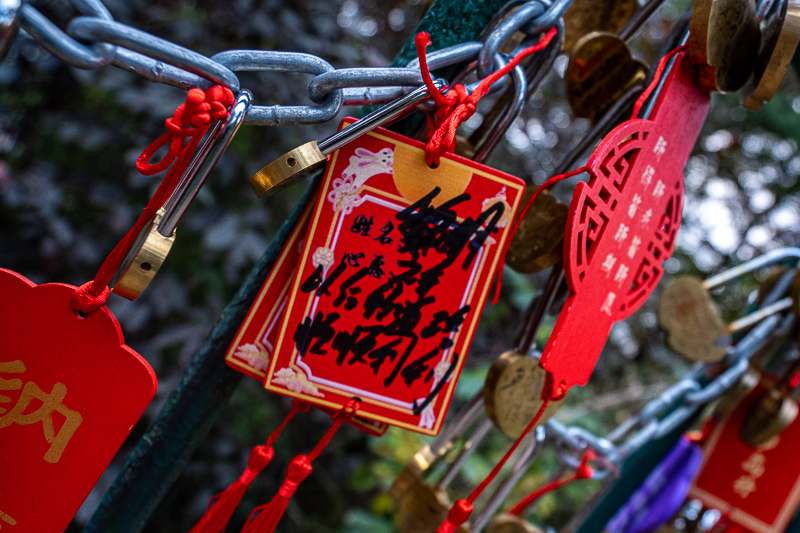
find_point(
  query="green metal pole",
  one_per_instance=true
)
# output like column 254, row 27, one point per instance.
column 190, row 411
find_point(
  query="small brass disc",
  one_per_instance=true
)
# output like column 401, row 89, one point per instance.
column 692, row 320
column 509, row 523
column 586, row 16
column 601, row 69
column 779, row 40
column 537, row 244
column 513, row 393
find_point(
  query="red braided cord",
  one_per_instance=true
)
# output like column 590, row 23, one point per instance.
column 456, row 106
column 462, row 509
column 190, row 121
column 584, row 471
column 343, row 414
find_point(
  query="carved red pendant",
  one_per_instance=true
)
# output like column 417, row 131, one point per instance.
column 757, row 488
column 623, row 223
column 70, row 393
column 391, row 281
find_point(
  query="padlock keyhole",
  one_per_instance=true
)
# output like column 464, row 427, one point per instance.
column 291, row 161
column 146, row 267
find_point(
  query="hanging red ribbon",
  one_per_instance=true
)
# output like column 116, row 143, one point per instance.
column 221, row 507
column 185, row 129
column 265, row 518
column 462, row 509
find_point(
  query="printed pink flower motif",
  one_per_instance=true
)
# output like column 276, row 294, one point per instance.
column 296, row 382
column 344, row 195
column 322, row 256
column 256, row 357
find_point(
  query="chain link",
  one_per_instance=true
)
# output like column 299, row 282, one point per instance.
column 95, row 40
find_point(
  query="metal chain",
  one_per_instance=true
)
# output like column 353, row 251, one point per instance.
column 95, row 40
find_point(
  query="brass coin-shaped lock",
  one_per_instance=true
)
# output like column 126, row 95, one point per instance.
column 768, row 417
column 733, row 38
column 513, row 393
column 509, row 523
column 423, row 509
column 143, row 260
column 737, row 393
column 779, row 40
column 692, row 320
column 586, row 16
column 538, row 243
column 601, row 69
column 283, row 171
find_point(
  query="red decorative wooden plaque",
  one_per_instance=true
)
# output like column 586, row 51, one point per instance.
column 758, row 488
column 623, row 223
column 392, row 280
column 70, row 393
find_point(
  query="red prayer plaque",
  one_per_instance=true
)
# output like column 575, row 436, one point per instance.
column 392, row 280
column 758, row 488
column 253, row 345
column 623, row 223
column 70, row 393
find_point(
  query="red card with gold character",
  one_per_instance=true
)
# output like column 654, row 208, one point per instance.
column 756, row 487
column 392, row 280
column 70, row 393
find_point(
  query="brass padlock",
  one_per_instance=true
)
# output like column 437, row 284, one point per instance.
column 149, row 251
column 734, row 396
column 423, row 507
column 586, row 16
column 693, row 321
column 288, row 168
column 601, row 70
column 512, row 394
column 779, row 39
column 733, row 39
column 773, row 412
column 538, row 242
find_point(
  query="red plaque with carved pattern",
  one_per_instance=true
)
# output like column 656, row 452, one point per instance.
column 623, row 224
column 391, row 281
column 758, row 487
column 70, row 393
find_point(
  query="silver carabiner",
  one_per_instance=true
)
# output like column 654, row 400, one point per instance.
column 148, row 253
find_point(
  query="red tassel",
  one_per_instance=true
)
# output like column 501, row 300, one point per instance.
column 264, row 519
column 220, row 507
